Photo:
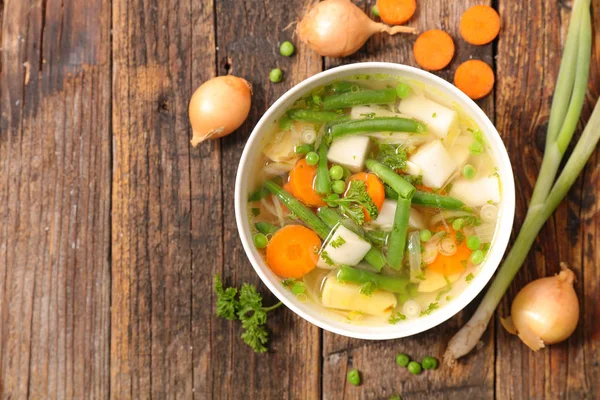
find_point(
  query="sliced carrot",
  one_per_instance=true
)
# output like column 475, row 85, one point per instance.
column 433, row 50
column 293, row 251
column 454, row 264
column 302, row 178
column 479, row 25
column 374, row 187
column 475, row 78
column 396, row 12
column 288, row 187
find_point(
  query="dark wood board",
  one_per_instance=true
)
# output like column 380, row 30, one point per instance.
column 112, row 226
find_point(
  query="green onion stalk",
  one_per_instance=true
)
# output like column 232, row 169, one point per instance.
column 569, row 96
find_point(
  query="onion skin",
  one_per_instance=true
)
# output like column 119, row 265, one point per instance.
column 218, row 107
column 545, row 311
column 338, row 28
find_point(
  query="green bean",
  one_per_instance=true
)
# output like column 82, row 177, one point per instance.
column 299, row 209
column 378, row 238
column 331, row 218
column 350, row 99
column 429, row 199
column 376, row 124
column 397, row 239
column 387, row 175
column 394, row 284
column 322, row 180
column 342, row 87
column 315, row 117
column 266, row 228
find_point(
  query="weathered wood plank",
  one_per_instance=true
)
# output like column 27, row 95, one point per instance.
column 566, row 370
column 206, row 212
column 473, row 378
column 248, row 37
column 55, row 199
column 151, row 346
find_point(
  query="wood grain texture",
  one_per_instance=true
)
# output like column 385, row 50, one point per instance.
column 151, row 342
column 532, row 38
column 112, row 227
column 382, row 377
column 248, row 38
column 54, row 199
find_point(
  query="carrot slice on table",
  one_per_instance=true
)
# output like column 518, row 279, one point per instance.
column 293, row 251
column 433, row 50
column 396, row 12
column 475, row 78
column 375, row 189
column 454, row 264
column 301, row 182
column 479, row 25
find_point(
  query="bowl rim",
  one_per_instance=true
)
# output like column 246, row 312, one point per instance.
column 413, row 326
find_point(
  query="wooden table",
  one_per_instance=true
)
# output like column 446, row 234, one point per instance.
column 112, row 226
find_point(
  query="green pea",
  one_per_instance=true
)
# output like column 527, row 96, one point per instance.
column 476, row 148
column 414, row 368
column 286, row 49
column 276, row 75
column 312, row 158
column 298, row 288
column 425, row 235
column 402, row 359
column 304, row 149
column 473, row 242
column 429, row 362
column 375, row 11
column 354, row 377
column 402, row 90
column 260, row 241
column 469, row 171
column 477, row 257
column 458, row 223
column 336, row 172
column 338, row 187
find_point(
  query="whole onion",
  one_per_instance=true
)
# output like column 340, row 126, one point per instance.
column 545, row 311
column 218, row 107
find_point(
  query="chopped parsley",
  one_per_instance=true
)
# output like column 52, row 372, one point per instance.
column 327, row 259
column 433, row 115
column 392, row 155
column 430, row 308
column 460, row 237
column 255, row 212
column 354, row 201
column 338, row 242
column 469, row 278
column 396, row 317
column 368, row 288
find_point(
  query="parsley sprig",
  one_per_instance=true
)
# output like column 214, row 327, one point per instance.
column 353, row 202
column 248, row 309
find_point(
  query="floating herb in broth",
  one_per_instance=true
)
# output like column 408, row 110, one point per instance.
column 376, row 142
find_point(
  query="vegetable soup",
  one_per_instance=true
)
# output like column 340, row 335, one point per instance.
column 376, row 199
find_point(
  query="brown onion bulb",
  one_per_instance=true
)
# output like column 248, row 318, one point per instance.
column 545, row 311
column 218, row 107
column 338, row 28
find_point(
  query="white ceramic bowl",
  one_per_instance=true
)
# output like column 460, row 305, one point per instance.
column 313, row 313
